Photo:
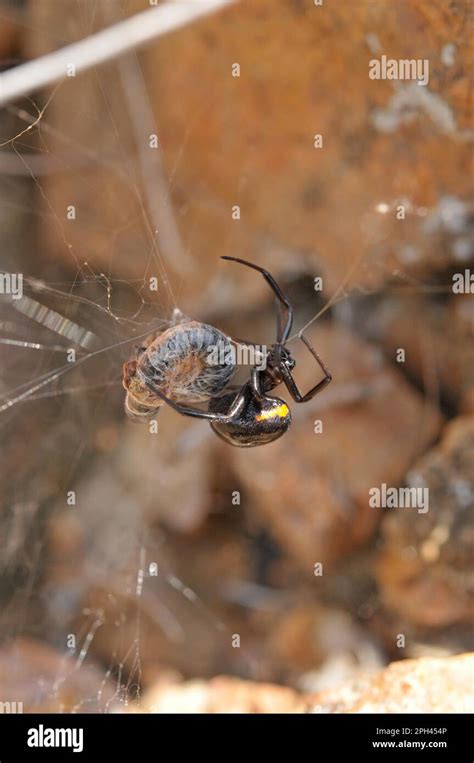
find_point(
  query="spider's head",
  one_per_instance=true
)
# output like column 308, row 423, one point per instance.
column 279, row 357
column 286, row 359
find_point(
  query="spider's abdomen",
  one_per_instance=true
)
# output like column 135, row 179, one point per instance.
column 191, row 362
column 259, row 422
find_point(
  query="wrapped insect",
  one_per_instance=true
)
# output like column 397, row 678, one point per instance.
column 177, row 363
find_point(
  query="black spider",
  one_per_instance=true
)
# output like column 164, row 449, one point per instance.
column 251, row 416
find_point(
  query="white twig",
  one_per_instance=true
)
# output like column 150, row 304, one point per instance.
column 102, row 46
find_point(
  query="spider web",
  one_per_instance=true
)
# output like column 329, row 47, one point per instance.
column 75, row 305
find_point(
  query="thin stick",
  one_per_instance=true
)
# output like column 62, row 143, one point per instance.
column 102, row 46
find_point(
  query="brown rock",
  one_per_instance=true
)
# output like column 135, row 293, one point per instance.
column 437, row 336
column 223, row 695
column 424, row 565
column 48, row 681
column 10, row 37
column 255, row 145
column 411, row 686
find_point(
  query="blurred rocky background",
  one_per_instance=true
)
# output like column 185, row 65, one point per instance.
column 189, row 575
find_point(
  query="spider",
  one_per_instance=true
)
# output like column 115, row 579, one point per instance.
column 173, row 368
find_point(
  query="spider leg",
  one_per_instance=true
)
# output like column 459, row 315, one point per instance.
column 293, row 387
column 285, row 308
column 196, row 413
column 282, row 322
column 255, row 383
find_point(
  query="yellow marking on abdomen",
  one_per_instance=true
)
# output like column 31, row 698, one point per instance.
column 281, row 411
